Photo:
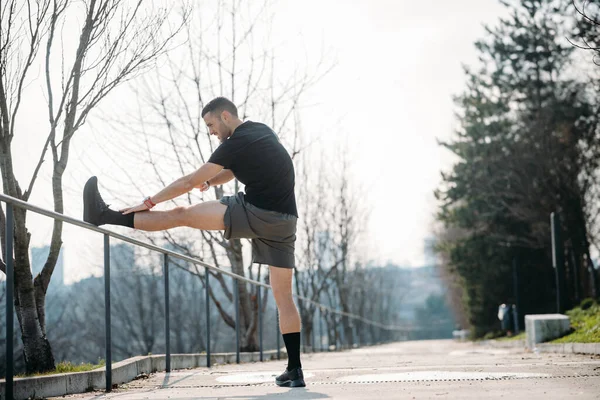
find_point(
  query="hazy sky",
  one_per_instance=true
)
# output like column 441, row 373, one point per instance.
column 398, row 63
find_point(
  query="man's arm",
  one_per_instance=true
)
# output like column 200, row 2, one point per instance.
column 187, row 183
column 221, row 178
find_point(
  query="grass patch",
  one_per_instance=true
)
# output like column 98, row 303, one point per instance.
column 520, row 336
column 585, row 321
column 491, row 335
column 67, row 366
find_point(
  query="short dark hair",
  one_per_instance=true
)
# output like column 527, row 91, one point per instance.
column 218, row 105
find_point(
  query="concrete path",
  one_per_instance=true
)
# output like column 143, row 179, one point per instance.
column 408, row 370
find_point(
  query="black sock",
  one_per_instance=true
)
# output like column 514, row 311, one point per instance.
column 292, row 344
column 112, row 217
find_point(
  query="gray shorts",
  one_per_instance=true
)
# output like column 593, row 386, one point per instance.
column 273, row 233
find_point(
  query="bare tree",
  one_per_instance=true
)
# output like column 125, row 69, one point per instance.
column 588, row 34
column 225, row 54
column 139, row 306
column 349, row 217
column 117, row 41
column 318, row 256
column 330, row 231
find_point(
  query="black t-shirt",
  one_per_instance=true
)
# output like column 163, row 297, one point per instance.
column 257, row 159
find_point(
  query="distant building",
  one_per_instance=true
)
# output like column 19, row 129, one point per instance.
column 430, row 255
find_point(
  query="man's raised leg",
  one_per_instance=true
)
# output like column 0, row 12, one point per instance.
column 207, row 216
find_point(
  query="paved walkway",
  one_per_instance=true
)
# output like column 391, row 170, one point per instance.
column 408, row 370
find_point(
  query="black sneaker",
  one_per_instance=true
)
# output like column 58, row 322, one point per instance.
column 293, row 378
column 93, row 205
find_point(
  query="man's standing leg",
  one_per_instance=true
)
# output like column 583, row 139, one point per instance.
column 289, row 323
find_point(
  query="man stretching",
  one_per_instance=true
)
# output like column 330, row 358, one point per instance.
column 266, row 213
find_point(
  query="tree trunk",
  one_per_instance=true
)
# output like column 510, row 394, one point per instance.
column 36, row 348
column 577, row 230
column 248, row 314
column 307, row 333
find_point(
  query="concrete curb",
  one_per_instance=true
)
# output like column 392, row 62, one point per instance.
column 506, row 344
column 566, row 348
column 122, row 372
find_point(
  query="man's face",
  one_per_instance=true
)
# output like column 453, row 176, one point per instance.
column 216, row 126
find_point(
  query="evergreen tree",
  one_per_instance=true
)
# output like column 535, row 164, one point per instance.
column 526, row 146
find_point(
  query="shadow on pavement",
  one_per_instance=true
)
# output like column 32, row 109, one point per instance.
column 297, row 393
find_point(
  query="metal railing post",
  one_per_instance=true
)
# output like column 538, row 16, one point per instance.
column 342, row 333
column 517, row 308
column 359, row 326
column 302, row 341
column 278, row 333
column 10, row 279
column 335, row 330
column 321, row 328
column 312, row 332
column 260, row 323
column 558, row 263
column 167, row 315
column 107, row 312
column 207, row 290
column 328, row 335
column 237, row 321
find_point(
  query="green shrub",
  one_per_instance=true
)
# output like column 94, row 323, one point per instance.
column 587, row 303
column 585, row 324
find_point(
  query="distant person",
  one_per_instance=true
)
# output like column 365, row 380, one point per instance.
column 266, row 213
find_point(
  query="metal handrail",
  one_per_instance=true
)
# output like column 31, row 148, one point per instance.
column 85, row 225
column 11, row 201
